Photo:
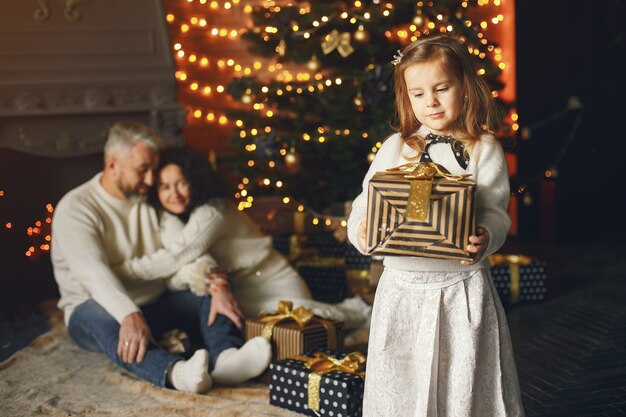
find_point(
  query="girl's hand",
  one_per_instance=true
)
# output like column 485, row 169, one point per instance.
column 361, row 234
column 477, row 245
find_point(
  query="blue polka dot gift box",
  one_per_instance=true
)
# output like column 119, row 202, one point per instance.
column 518, row 278
column 324, row 383
column 325, row 277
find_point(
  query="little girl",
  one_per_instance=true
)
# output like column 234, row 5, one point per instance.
column 439, row 341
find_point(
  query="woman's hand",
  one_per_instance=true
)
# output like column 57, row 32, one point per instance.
column 477, row 245
column 222, row 299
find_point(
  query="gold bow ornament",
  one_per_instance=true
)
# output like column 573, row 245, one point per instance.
column 513, row 262
column 421, row 176
column 322, row 363
column 340, row 41
column 302, row 316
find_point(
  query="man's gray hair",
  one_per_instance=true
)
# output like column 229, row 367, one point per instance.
column 123, row 136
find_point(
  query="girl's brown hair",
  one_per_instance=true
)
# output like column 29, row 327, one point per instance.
column 480, row 112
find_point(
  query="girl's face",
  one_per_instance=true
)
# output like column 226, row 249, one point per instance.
column 436, row 96
column 173, row 189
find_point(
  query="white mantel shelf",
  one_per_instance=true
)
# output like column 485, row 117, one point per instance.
column 69, row 69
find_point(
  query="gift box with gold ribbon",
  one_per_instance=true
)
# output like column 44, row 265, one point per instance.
column 323, row 383
column 325, row 277
column 293, row 332
column 518, row 278
column 420, row 209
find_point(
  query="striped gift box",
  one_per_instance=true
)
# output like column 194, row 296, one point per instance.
column 291, row 339
column 447, row 215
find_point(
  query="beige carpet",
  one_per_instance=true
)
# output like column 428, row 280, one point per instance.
column 53, row 377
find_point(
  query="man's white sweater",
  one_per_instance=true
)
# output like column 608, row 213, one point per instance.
column 92, row 230
column 488, row 170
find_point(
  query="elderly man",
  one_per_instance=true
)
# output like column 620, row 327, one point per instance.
column 107, row 221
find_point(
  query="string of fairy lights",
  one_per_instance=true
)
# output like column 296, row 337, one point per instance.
column 303, row 79
column 39, row 231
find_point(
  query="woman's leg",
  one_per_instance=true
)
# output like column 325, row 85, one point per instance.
column 189, row 312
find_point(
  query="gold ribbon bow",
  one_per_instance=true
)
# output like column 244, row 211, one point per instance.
column 323, row 363
column 300, row 315
column 514, row 262
column 421, row 176
column 339, row 41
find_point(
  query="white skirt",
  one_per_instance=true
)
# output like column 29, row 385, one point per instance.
column 439, row 346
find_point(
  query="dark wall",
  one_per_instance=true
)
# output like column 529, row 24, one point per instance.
column 564, row 49
column 29, row 183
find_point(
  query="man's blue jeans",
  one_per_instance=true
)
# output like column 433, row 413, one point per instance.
column 92, row 328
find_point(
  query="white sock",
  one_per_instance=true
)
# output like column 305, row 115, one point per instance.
column 191, row 375
column 357, row 313
column 239, row 365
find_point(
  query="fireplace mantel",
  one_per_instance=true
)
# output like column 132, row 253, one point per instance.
column 69, row 69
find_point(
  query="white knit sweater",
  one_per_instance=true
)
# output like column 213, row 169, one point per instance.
column 217, row 234
column 92, row 230
column 488, row 170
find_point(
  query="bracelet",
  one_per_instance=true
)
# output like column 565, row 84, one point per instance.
column 214, row 283
column 215, row 288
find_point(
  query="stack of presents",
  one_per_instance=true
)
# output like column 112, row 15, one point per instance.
column 414, row 210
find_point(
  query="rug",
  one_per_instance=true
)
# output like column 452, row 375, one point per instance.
column 53, row 377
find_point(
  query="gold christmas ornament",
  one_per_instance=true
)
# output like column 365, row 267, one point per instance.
column 292, row 160
column 527, row 199
column 361, row 35
column 358, row 100
column 313, row 64
column 335, row 40
column 281, row 47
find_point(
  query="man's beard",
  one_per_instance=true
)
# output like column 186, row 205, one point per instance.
column 138, row 191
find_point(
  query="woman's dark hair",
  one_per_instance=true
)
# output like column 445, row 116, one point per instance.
column 204, row 183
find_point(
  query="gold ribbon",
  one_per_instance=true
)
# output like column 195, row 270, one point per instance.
column 421, row 176
column 513, row 262
column 323, row 363
column 339, row 41
column 300, row 315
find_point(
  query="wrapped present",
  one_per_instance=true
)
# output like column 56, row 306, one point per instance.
column 295, row 331
column 325, row 277
column 293, row 246
column 363, row 282
column 282, row 243
column 420, row 209
column 321, row 384
column 518, row 278
column 273, row 217
column 327, row 245
column 359, row 282
column 355, row 259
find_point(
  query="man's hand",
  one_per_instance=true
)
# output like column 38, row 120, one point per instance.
column 134, row 337
column 477, row 245
column 223, row 302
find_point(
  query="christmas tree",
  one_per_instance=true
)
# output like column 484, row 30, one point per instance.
column 308, row 128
